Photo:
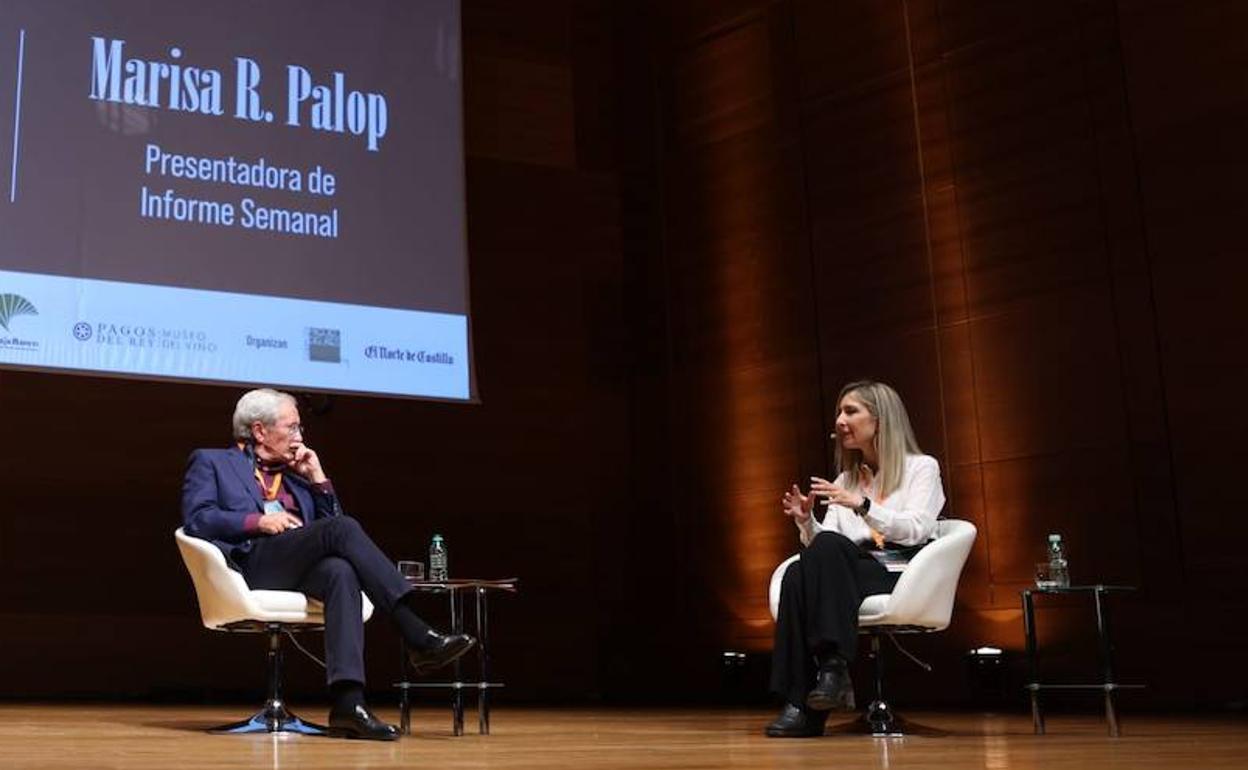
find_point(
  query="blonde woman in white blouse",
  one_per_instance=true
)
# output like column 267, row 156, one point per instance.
column 885, row 500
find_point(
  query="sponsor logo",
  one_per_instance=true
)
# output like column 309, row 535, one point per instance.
column 262, row 343
column 170, row 338
column 325, row 345
column 383, row 353
column 11, row 307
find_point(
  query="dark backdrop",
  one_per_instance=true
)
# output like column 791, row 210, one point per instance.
column 689, row 224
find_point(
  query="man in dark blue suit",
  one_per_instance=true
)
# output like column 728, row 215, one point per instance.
column 268, row 505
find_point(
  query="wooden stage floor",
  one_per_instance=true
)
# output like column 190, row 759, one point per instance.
column 37, row 737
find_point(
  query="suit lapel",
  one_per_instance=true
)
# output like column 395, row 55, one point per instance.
column 298, row 487
column 242, row 467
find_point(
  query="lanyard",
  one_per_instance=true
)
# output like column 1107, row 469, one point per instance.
column 270, row 492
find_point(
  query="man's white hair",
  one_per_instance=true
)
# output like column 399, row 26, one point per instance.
column 260, row 405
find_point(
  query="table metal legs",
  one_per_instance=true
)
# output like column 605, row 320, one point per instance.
column 457, row 691
column 457, row 685
column 1107, row 662
column 1033, row 666
column 405, row 697
column 1108, row 687
column 483, row 662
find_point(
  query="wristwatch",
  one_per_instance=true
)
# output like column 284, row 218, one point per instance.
column 865, row 507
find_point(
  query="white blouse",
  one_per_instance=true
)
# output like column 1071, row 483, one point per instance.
column 906, row 517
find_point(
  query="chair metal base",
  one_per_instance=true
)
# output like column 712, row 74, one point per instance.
column 880, row 721
column 273, row 718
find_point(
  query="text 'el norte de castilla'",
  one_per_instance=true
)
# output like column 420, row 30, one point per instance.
column 182, row 87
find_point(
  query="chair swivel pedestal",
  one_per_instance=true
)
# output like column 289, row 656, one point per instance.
column 273, row 716
column 880, row 719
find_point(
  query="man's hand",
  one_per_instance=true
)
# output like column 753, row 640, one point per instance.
column 307, row 464
column 278, row 522
column 798, row 505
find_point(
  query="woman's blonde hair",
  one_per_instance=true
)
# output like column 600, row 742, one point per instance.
column 894, row 438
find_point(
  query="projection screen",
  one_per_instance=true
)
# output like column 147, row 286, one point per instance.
column 228, row 191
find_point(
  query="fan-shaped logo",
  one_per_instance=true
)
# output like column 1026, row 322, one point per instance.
column 82, row 331
column 13, row 305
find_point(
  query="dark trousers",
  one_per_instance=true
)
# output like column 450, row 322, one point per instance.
column 332, row 560
column 818, row 614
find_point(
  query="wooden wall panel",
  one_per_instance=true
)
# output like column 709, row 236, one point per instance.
column 1190, row 112
column 736, row 257
column 1024, row 216
column 1188, row 100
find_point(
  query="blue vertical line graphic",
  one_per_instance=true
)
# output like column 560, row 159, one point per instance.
column 17, row 112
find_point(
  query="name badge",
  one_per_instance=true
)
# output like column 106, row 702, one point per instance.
column 273, row 506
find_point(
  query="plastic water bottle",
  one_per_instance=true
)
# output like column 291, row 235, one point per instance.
column 437, row 560
column 1059, row 568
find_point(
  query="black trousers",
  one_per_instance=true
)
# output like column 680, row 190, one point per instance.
column 332, row 560
column 818, row 614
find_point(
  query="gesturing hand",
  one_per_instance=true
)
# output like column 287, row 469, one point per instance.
column 278, row 522
column 798, row 505
column 834, row 493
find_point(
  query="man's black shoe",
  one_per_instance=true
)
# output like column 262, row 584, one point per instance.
column 441, row 649
column 795, row 722
column 833, row 690
column 359, row 722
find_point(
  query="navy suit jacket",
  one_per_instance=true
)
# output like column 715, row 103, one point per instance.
column 220, row 491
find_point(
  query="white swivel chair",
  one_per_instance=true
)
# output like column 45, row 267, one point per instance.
column 921, row 602
column 227, row 604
